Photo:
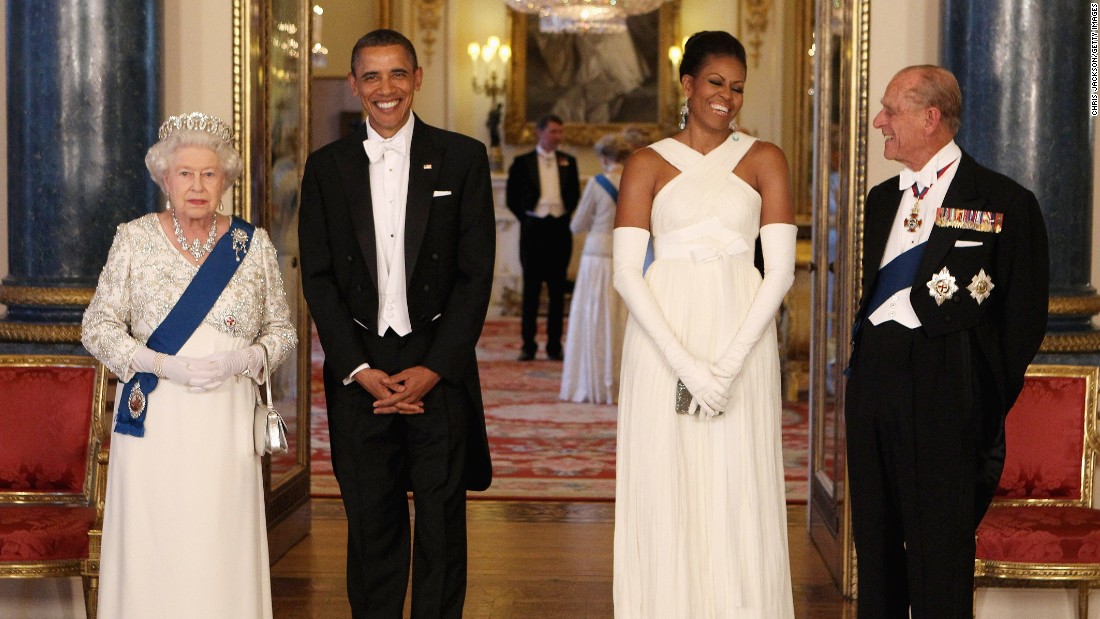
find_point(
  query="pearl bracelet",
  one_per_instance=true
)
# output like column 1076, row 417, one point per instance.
column 158, row 364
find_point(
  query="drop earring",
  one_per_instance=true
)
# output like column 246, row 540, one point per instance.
column 683, row 116
column 733, row 128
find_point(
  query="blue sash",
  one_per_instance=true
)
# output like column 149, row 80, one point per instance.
column 614, row 193
column 608, row 186
column 181, row 322
column 897, row 275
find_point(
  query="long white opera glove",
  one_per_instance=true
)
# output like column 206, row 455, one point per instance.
column 178, row 369
column 778, row 244
column 247, row 362
column 628, row 255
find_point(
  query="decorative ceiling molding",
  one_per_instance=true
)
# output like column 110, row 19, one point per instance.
column 429, row 16
column 756, row 24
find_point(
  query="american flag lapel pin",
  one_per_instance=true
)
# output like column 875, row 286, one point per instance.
column 427, row 166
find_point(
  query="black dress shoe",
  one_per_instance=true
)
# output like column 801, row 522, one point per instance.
column 526, row 356
column 555, row 356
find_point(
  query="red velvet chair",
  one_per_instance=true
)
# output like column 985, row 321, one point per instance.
column 1042, row 529
column 52, row 471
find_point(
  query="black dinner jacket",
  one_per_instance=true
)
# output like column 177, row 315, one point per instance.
column 1010, row 324
column 450, row 234
column 524, row 187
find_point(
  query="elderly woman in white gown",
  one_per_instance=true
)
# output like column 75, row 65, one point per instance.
column 188, row 308
column 597, row 316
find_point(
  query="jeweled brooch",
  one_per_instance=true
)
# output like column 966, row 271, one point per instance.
column 240, row 242
column 137, row 401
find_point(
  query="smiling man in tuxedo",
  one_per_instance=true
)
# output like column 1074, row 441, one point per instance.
column 397, row 238
column 954, row 307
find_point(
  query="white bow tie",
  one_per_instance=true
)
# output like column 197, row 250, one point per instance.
column 922, row 179
column 376, row 148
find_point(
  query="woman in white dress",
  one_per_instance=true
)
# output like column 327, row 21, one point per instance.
column 700, row 524
column 597, row 317
column 186, row 326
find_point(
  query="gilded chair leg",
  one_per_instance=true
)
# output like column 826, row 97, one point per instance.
column 1083, row 600
column 91, row 596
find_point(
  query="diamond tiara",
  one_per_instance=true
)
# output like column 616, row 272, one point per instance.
column 196, row 121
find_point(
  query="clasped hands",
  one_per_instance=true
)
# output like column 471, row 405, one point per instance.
column 402, row 393
column 710, row 384
column 201, row 374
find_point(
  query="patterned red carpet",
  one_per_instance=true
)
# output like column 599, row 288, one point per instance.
column 543, row 448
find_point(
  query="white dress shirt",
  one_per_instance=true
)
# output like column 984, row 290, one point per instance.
column 389, row 190
column 549, row 186
column 898, row 307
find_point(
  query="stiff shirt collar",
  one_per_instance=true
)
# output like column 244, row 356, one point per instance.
column 928, row 174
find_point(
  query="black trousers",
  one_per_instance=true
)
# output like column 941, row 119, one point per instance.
column 545, row 247
column 913, row 422
column 377, row 459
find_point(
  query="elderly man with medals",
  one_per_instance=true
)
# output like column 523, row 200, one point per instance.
column 954, row 307
column 188, row 312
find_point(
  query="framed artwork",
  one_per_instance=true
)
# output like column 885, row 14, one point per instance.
column 597, row 83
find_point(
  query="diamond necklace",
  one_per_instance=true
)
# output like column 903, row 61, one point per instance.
column 196, row 250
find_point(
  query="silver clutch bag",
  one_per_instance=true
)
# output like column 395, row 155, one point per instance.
column 268, row 429
column 683, row 400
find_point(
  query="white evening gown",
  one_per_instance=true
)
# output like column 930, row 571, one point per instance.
column 597, row 315
column 700, row 514
column 184, row 531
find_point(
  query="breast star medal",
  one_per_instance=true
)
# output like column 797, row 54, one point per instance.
column 980, row 286
column 942, row 286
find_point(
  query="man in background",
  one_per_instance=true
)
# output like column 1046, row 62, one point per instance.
column 543, row 190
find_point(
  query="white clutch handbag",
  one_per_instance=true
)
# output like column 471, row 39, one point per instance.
column 269, row 429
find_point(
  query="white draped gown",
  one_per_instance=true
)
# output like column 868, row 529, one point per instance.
column 184, row 532
column 597, row 316
column 700, row 514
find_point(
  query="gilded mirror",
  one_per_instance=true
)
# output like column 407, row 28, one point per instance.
column 271, row 88
column 839, row 187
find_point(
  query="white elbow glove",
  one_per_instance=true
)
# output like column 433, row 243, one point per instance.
column 628, row 255
column 778, row 244
column 178, row 369
column 247, row 362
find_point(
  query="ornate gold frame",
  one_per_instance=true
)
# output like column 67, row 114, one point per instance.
column 519, row 129
column 843, row 33
column 252, row 126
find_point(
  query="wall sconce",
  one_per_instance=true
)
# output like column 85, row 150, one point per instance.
column 487, row 60
column 675, row 55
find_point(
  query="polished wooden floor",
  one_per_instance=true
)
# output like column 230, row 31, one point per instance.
column 536, row 559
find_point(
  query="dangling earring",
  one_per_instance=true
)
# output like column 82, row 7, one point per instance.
column 221, row 206
column 683, row 116
column 733, row 128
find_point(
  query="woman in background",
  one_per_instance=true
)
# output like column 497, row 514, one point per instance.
column 188, row 306
column 597, row 317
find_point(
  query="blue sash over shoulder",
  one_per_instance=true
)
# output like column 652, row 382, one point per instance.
column 608, row 186
column 193, row 306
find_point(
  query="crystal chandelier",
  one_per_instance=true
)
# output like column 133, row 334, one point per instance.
column 586, row 16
